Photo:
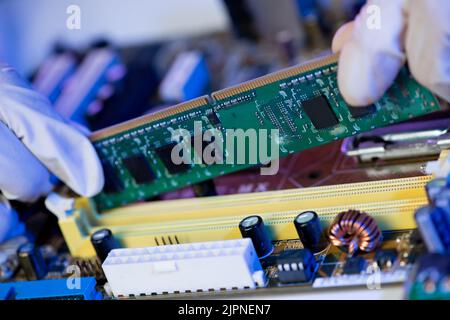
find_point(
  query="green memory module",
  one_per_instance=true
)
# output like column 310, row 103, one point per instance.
column 293, row 109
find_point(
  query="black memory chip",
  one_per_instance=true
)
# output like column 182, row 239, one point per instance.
column 112, row 182
column 165, row 154
column 359, row 112
column 320, row 112
column 139, row 169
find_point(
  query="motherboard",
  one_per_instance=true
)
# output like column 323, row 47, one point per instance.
column 390, row 265
column 367, row 214
column 131, row 254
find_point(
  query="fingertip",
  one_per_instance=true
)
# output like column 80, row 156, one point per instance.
column 354, row 99
column 90, row 180
column 353, row 83
column 364, row 75
column 94, row 185
column 342, row 35
column 348, row 72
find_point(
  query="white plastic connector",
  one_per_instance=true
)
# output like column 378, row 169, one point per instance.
column 215, row 265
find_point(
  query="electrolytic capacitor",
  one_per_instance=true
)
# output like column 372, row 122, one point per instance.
column 253, row 227
column 310, row 231
column 32, row 261
column 103, row 241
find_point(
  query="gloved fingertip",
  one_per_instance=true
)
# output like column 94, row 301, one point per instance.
column 89, row 187
column 355, row 99
column 90, row 181
column 364, row 75
column 352, row 81
column 341, row 36
column 348, row 69
column 93, row 187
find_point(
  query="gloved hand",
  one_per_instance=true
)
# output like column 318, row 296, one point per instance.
column 36, row 143
column 414, row 30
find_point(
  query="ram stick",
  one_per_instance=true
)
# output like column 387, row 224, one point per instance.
column 293, row 109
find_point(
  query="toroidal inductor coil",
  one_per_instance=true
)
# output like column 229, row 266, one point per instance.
column 355, row 230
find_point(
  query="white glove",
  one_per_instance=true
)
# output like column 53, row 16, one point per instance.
column 413, row 30
column 36, row 143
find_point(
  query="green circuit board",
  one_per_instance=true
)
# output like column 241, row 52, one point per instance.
column 302, row 104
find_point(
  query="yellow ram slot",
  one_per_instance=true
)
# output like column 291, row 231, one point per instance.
column 391, row 202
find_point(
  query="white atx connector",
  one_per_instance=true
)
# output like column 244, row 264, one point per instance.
column 203, row 266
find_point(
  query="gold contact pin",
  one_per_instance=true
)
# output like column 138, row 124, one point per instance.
column 134, row 123
column 274, row 77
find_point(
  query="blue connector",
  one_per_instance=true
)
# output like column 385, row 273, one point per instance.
column 55, row 289
column 6, row 291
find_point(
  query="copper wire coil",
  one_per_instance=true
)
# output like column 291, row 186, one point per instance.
column 356, row 231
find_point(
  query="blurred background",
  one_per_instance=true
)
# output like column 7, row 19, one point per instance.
column 30, row 28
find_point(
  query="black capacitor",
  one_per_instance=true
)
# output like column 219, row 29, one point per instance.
column 253, row 227
column 310, row 231
column 103, row 241
column 32, row 261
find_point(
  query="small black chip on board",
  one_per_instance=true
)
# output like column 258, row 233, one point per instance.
column 296, row 266
column 359, row 112
column 139, row 169
column 112, row 182
column 165, row 154
column 320, row 113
